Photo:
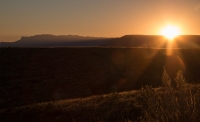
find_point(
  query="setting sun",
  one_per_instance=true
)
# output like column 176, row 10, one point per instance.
column 170, row 32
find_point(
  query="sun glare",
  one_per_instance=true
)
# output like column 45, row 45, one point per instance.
column 170, row 32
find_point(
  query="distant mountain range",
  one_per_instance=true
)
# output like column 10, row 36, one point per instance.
column 46, row 40
column 153, row 41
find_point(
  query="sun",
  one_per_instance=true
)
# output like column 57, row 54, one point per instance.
column 170, row 32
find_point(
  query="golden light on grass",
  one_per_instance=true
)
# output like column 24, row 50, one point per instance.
column 170, row 32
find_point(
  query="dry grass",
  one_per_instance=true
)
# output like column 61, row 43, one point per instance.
column 147, row 104
column 110, row 107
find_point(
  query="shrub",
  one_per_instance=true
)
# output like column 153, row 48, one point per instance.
column 180, row 80
column 181, row 105
column 166, row 80
column 171, row 105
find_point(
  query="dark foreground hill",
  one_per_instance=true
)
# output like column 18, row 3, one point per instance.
column 144, row 105
column 32, row 75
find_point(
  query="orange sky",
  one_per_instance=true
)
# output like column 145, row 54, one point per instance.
column 105, row 18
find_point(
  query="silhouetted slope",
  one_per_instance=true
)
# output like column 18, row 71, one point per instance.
column 136, row 41
column 188, row 41
column 155, row 41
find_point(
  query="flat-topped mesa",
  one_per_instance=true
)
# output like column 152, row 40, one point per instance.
column 46, row 40
column 49, row 37
column 43, row 37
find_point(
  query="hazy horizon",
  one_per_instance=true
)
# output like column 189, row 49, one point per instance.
column 96, row 18
column 19, row 37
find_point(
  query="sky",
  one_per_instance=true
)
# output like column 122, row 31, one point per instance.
column 99, row 18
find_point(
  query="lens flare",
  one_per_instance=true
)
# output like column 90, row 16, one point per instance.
column 170, row 32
